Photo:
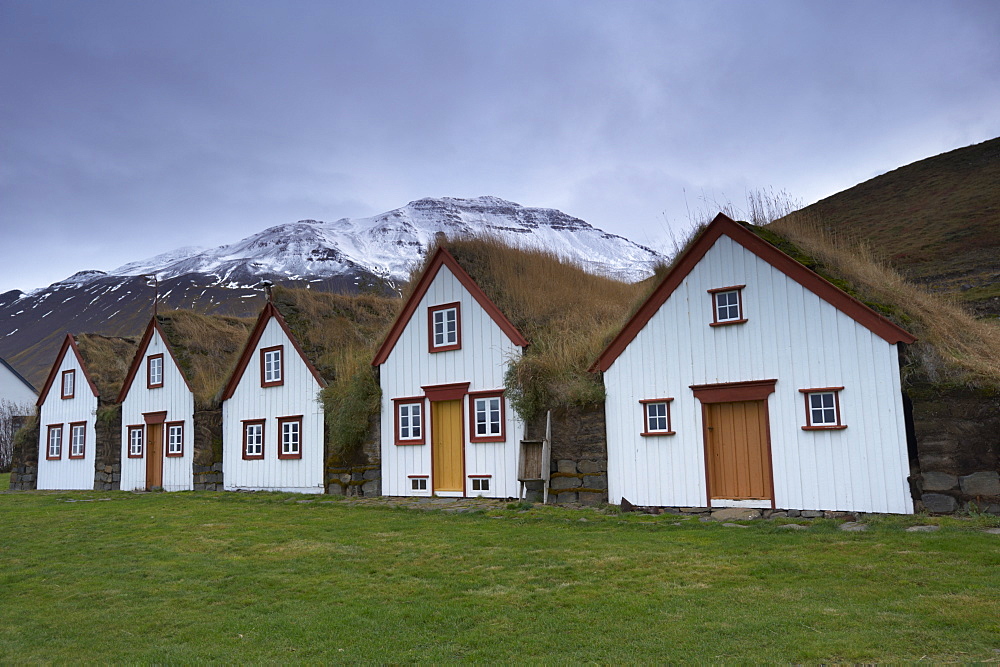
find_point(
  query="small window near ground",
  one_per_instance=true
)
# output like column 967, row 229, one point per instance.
column 480, row 483
column 418, row 483
column 272, row 369
column 253, row 439
column 486, row 412
column 68, row 384
column 445, row 327
column 175, row 439
column 656, row 416
column 290, row 436
column 154, row 371
column 409, row 421
column 823, row 409
column 135, row 442
column 727, row 305
column 53, row 449
column 77, row 440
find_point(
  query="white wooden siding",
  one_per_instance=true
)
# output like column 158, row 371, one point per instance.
column 792, row 335
column 67, row 473
column 482, row 362
column 298, row 395
column 14, row 390
column 177, row 401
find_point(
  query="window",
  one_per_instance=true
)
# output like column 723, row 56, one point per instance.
column 656, row 416
column 418, row 482
column 135, row 442
column 253, row 439
column 480, row 482
column 175, row 438
column 822, row 409
column 290, row 435
column 272, row 366
column 727, row 305
column 154, row 371
column 77, row 440
column 68, row 384
column 486, row 414
column 54, row 449
column 409, row 421
column 445, row 327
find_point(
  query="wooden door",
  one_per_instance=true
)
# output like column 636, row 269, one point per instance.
column 154, row 455
column 739, row 459
column 447, row 449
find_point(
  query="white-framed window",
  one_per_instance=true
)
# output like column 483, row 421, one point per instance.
column 409, row 422
column 418, row 484
column 656, row 416
column 77, row 440
column 68, row 384
column 272, row 366
column 727, row 305
column 253, row 439
column 290, row 437
column 486, row 414
column 135, row 442
column 175, row 439
column 154, row 371
column 445, row 327
column 822, row 408
column 54, row 442
column 480, row 483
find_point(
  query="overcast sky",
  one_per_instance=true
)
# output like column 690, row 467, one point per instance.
column 130, row 128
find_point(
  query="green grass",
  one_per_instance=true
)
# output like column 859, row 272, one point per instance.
column 262, row 577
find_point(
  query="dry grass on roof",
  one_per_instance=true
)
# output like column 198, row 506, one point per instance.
column 952, row 347
column 206, row 348
column 567, row 314
column 107, row 359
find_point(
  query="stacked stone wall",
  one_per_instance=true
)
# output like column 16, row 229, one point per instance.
column 24, row 458
column 359, row 475
column 579, row 465
column 208, row 450
column 108, row 452
column 958, row 449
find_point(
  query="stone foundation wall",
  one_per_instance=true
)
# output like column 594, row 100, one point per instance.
column 24, row 458
column 208, row 450
column 354, row 481
column 108, row 449
column 958, row 450
column 579, row 466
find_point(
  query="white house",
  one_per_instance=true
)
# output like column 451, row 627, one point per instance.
column 157, row 434
column 67, row 408
column 16, row 391
column 272, row 416
column 446, row 426
column 747, row 380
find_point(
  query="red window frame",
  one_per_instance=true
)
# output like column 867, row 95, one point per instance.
column 296, row 419
column 415, row 481
column 263, row 427
column 457, row 345
column 480, row 478
column 715, row 306
column 83, row 448
column 396, row 404
column 166, row 428
column 473, row 396
column 141, row 428
column 48, row 442
column 645, row 417
column 149, row 371
column 281, row 366
column 806, row 393
column 62, row 384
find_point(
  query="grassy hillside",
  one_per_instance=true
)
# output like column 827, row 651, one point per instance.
column 937, row 221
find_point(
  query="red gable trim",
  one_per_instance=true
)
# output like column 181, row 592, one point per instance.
column 140, row 356
column 444, row 258
column 725, row 226
column 258, row 331
column 68, row 344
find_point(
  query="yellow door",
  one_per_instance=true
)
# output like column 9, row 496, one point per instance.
column 447, row 451
column 154, row 455
column 739, row 460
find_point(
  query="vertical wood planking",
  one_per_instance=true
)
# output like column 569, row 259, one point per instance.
column 67, row 473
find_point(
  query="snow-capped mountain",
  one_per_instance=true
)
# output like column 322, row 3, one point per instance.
column 345, row 255
column 392, row 243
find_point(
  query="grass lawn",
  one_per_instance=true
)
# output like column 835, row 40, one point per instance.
column 188, row 577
